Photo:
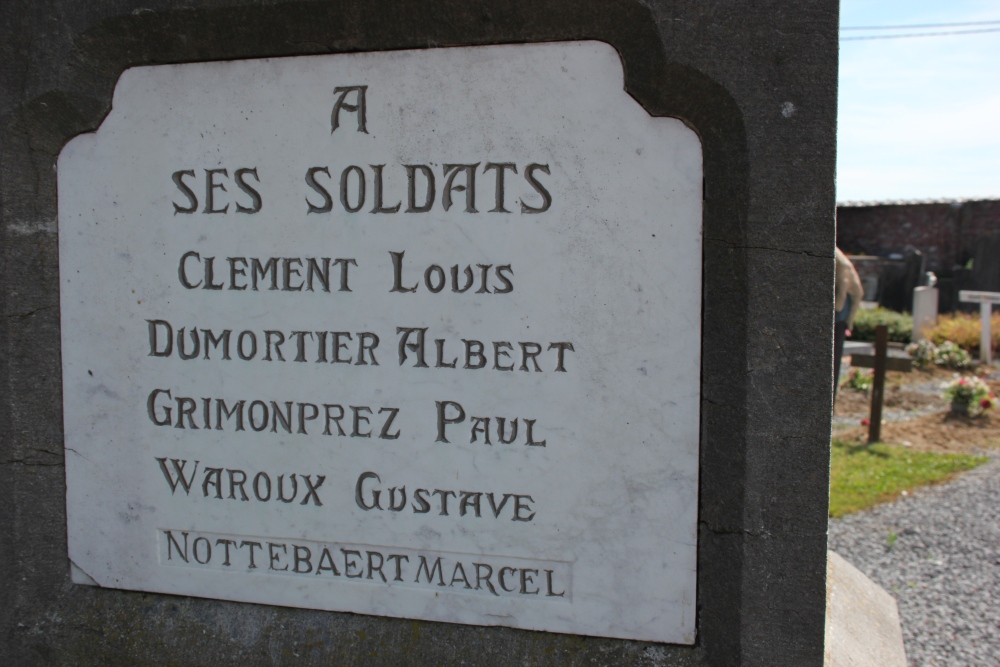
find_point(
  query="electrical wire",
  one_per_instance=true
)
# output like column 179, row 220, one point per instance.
column 920, row 34
column 920, row 25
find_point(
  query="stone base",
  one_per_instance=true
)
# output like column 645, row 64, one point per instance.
column 862, row 621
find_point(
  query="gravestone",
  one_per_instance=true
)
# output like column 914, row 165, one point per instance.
column 477, row 321
column 898, row 279
column 925, row 310
column 985, row 268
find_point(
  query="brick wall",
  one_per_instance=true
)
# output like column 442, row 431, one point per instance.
column 946, row 232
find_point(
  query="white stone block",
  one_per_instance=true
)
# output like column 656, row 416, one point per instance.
column 925, row 310
column 862, row 620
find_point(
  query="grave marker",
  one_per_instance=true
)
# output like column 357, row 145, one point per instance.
column 301, row 340
column 925, row 310
column 985, row 301
column 880, row 360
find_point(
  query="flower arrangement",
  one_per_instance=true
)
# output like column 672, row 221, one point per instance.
column 923, row 352
column 947, row 354
column 951, row 355
column 967, row 394
column 860, row 379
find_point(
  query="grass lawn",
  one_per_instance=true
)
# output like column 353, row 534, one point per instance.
column 864, row 475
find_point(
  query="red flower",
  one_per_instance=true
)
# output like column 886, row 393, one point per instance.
column 985, row 404
column 866, row 421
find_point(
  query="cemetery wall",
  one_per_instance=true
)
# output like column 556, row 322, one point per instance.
column 946, row 232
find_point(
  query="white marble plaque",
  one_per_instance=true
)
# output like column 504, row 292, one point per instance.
column 412, row 334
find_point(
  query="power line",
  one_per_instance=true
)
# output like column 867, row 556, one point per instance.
column 920, row 25
column 920, row 34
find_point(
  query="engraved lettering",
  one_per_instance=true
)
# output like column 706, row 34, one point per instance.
column 357, row 107
column 178, row 178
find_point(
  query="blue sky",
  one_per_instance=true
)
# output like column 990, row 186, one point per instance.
column 919, row 117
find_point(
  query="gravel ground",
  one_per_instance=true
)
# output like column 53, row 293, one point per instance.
column 937, row 551
column 841, row 422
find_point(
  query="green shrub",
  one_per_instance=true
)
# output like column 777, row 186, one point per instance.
column 900, row 325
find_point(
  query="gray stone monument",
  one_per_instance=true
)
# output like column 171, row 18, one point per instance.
column 416, row 333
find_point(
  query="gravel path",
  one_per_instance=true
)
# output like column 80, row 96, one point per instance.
column 938, row 552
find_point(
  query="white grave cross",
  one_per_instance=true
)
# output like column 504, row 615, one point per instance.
column 985, row 301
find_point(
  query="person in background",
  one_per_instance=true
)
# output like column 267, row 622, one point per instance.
column 847, row 300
